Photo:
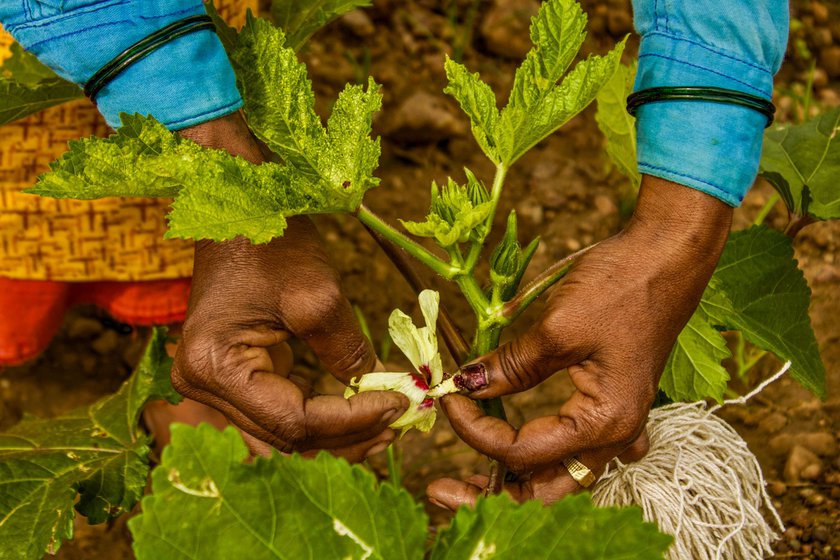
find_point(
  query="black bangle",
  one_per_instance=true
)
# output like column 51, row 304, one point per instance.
column 144, row 48
column 712, row 94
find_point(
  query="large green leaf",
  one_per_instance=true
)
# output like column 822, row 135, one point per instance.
column 538, row 105
column 478, row 101
column 208, row 504
column 617, row 125
column 27, row 87
column 217, row 196
column 25, row 68
column 694, row 370
column 769, row 301
column 301, row 18
column 758, row 290
column 803, row 163
column 280, row 107
column 98, row 453
column 572, row 529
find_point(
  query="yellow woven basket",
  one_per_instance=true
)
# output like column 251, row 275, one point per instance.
column 70, row 240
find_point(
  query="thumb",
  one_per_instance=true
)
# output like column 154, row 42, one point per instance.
column 516, row 366
column 335, row 337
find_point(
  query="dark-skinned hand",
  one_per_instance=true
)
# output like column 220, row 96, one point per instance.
column 612, row 322
column 246, row 301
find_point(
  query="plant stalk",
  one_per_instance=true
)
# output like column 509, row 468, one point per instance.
column 765, row 210
column 452, row 337
column 550, row 276
column 377, row 224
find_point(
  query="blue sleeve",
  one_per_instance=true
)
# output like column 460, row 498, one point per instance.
column 732, row 44
column 185, row 82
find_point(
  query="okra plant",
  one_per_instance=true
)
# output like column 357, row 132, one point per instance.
column 206, row 502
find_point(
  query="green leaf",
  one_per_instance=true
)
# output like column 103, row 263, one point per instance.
column 299, row 19
column 217, row 196
column 98, row 453
column 571, row 529
column 25, row 68
column 19, row 100
column 208, row 504
column 557, row 33
column 617, row 125
column 128, row 163
column 457, row 214
column 478, row 101
column 803, row 163
column 27, row 86
column 758, row 290
column 227, row 34
column 694, row 371
column 523, row 124
column 538, row 106
column 769, row 301
column 280, row 108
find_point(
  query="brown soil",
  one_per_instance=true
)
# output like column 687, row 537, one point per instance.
column 564, row 190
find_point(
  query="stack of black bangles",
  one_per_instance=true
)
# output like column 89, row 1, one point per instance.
column 712, row 94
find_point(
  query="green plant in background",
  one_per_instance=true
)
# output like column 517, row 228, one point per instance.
column 205, row 499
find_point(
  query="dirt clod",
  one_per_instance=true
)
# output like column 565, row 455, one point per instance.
column 798, row 460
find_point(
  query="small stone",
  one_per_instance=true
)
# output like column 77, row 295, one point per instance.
column 777, row 488
column 531, row 210
column 358, row 23
column 792, row 533
column 83, row 328
column 795, row 545
column 106, row 343
column 820, row 12
column 821, row 38
column 773, row 422
column 811, row 472
column 444, row 438
column 605, row 205
column 798, row 460
column 830, row 60
column 821, row 443
column 619, row 23
column 424, row 117
column 821, row 533
column 573, row 244
column 505, row 27
column 782, row 444
column 816, row 499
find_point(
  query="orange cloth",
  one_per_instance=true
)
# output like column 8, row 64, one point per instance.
column 57, row 253
column 33, row 310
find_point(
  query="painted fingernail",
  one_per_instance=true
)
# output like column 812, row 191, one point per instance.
column 471, row 378
column 378, row 448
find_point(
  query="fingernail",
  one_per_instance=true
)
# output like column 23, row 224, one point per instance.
column 392, row 416
column 471, row 378
column 437, row 503
column 378, row 448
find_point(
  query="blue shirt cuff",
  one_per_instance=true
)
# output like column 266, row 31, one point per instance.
column 712, row 147
column 183, row 83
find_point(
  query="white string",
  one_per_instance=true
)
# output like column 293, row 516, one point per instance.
column 700, row 483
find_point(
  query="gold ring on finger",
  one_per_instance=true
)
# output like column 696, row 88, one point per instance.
column 580, row 472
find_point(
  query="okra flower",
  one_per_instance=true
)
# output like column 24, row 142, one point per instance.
column 425, row 383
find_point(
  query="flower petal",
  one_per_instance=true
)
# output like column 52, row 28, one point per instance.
column 421, row 416
column 409, row 384
column 406, row 336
